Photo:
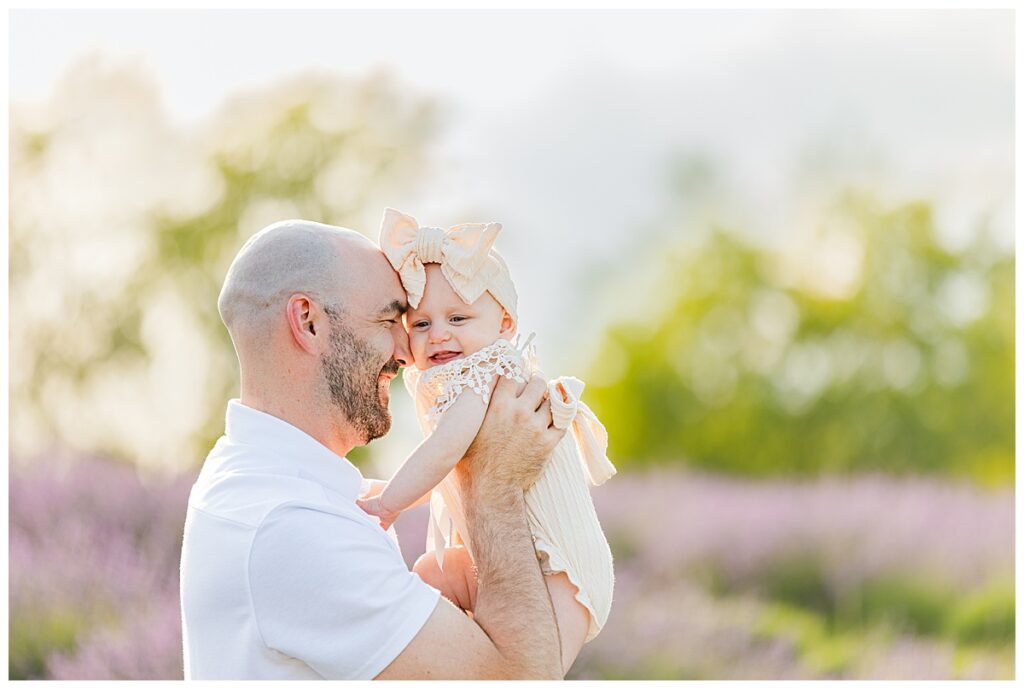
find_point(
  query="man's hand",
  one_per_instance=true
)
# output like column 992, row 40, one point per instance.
column 515, row 439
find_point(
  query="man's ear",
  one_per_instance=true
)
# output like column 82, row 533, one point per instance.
column 508, row 326
column 305, row 322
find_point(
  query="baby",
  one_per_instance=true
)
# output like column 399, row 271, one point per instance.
column 461, row 321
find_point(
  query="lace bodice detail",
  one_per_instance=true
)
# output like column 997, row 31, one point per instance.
column 441, row 385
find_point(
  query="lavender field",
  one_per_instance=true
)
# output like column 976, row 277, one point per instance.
column 867, row 577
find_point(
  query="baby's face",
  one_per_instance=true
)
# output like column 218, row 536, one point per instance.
column 443, row 328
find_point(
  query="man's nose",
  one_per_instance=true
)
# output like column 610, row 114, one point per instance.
column 403, row 355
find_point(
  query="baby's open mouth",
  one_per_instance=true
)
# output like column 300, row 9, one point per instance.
column 443, row 356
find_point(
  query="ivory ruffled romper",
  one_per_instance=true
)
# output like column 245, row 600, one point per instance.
column 566, row 533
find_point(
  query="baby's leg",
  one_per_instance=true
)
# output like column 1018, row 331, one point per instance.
column 572, row 617
column 456, row 582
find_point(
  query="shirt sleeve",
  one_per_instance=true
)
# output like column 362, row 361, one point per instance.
column 334, row 592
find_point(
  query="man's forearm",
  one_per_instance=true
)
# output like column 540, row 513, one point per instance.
column 513, row 605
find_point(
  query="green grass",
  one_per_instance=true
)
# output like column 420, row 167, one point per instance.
column 902, row 603
column 830, row 634
column 34, row 640
column 985, row 617
column 825, row 653
column 36, row 635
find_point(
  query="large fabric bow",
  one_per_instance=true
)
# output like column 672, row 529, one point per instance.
column 461, row 250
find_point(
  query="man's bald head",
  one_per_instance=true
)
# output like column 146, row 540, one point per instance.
column 278, row 261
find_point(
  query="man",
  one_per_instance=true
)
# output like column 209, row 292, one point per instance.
column 282, row 575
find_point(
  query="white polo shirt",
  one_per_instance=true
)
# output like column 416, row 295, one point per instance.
column 282, row 575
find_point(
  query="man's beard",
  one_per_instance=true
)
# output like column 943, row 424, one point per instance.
column 353, row 379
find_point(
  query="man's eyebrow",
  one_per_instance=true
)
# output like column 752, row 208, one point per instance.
column 392, row 308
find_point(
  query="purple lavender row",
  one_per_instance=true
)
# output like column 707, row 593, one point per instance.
column 94, row 572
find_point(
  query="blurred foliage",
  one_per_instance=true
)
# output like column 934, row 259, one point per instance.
column 837, row 589
column 832, row 646
column 31, row 645
column 988, row 616
column 900, row 604
column 827, row 654
column 94, row 584
column 867, row 345
column 836, row 577
column 123, row 226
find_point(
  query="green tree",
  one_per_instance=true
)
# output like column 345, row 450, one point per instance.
column 123, row 224
column 869, row 346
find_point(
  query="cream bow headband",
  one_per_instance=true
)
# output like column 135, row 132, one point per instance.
column 464, row 252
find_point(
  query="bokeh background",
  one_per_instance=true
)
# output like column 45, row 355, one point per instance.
column 778, row 247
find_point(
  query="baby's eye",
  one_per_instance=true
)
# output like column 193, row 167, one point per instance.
column 420, row 324
column 458, row 319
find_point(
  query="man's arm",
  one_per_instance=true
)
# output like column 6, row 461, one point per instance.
column 513, row 634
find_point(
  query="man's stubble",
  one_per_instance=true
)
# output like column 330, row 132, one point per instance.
column 352, row 372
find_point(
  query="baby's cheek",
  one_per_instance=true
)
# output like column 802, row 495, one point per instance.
column 483, row 335
column 417, row 344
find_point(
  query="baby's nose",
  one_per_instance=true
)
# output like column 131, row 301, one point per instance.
column 439, row 334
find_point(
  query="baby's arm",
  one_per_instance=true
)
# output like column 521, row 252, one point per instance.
column 431, row 461
column 375, row 485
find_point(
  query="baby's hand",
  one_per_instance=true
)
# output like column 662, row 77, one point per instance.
column 376, row 508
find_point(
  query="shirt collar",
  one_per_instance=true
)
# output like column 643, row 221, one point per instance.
column 296, row 449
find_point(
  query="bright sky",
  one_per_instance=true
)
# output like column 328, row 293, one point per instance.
column 496, row 57
column 581, row 110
